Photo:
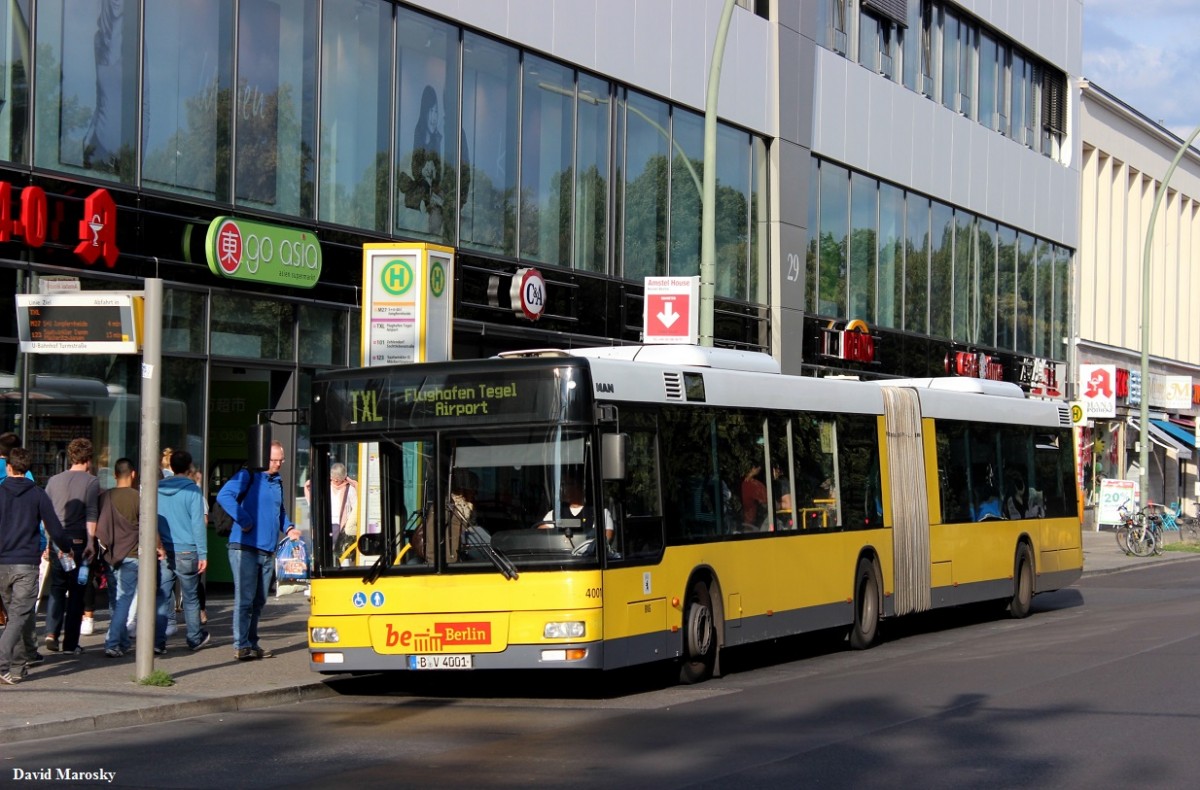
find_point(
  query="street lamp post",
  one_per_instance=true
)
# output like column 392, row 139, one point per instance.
column 708, row 211
column 1144, row 427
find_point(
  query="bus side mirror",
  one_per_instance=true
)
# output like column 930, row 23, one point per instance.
column 612, row 455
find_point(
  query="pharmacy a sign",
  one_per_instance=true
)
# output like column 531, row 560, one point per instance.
column 1098, row 391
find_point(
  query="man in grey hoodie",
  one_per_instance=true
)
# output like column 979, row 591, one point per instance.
column 184, row 535
column 22, row 507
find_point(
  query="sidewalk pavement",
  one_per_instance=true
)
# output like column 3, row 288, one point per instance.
column 89, row 692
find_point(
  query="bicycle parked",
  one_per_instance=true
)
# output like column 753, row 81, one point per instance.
column 1139, row 533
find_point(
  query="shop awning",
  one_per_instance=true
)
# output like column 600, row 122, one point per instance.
column 1163, row 439
column 1178, row 431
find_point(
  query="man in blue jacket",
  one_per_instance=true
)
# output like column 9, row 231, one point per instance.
column 23, row 506
column 184, row 534
column 256, row 502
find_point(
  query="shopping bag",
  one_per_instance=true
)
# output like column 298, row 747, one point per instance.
column 291, row 561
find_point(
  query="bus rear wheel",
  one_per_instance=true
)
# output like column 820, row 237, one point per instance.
column 1022, row 597
column 699, row 636
column 866, row 605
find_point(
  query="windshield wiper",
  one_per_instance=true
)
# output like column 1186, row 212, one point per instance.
column 502, row 563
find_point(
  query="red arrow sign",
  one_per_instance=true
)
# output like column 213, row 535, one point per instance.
column 667, row 315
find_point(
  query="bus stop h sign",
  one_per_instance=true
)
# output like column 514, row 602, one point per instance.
column 672, row 310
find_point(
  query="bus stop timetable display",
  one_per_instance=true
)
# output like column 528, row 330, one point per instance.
column 79, row 323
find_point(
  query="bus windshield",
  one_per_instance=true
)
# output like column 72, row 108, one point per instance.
column 488, row 500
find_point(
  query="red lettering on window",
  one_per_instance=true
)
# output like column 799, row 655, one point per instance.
column 98, row 229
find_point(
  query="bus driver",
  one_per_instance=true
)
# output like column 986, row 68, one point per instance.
column 574, row 507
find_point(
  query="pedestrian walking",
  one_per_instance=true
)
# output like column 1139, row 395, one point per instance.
column 76, row 495
column 23, row 507
column 256, row 503
column 118, row 534
column 184, row 536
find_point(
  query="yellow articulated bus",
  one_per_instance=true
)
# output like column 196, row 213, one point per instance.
column 603, row 508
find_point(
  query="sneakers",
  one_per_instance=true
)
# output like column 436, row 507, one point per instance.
column 9, row 679
column 114, row 652
column 172, row 627
column 160, row 651
column 251, row 653
column 38, row 658
column 205, row 638
column 52, row 644
column 88, row 626
column 77, row 651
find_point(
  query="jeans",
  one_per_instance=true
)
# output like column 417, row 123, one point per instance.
column 182, row 565
column 252, row 571
column 18, row 589
column 126, row 573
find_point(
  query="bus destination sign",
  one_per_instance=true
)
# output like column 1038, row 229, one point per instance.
column 78, row 323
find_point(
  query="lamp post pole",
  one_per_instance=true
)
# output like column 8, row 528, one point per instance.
column 1144, row 427
column 708, row 210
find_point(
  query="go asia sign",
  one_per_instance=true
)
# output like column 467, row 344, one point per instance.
column 241, row 249
column 30, row 222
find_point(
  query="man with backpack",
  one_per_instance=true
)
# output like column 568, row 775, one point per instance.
column 256, row 502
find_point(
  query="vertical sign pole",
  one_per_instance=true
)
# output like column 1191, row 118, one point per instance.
column 148, row 476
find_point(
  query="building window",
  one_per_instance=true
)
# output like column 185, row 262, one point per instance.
column 891, row 256
column 860, row 274
column 916, row 264
column 987, row 80
column 834, row 231
column 644, row 208
column 275, row 106
column 687, row 165
column 355, row 113
column 1054, row 111
column 839, row 20
column 491, row 81
column 86, row 104
column 941, row 269
column 428, row 137
column 188, row 73
column 245, row 326
column 547, row 161
column 14, row 83
column 592, row 175
column 733, row 196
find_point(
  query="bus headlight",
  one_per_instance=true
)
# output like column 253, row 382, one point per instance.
column 325, row 634
column 564, row 630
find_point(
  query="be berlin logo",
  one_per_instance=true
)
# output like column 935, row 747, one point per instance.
column 63, row 775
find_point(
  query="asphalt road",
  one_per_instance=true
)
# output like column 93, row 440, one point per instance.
column 1097, row 689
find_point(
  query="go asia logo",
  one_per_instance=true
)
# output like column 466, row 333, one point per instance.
column 242, row 249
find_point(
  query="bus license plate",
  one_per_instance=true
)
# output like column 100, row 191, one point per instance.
column 439, row 662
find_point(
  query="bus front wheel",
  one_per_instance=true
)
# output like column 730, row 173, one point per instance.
column 866, row 605
column 1022, row 597
column 699, row 636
